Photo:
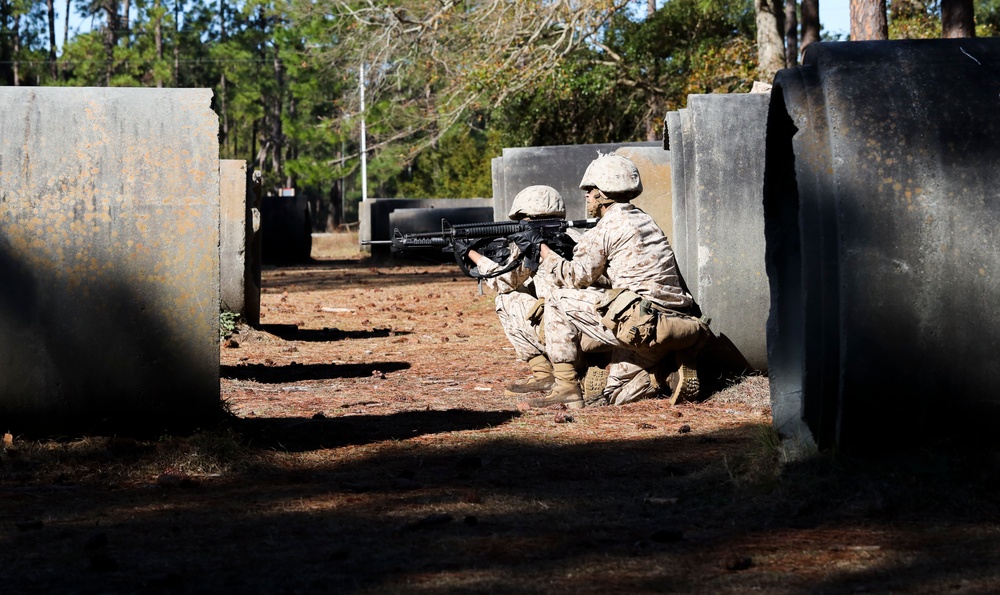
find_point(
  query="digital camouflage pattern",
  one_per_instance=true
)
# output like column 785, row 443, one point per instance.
column 628, row 247
column 537, row 201
column 612, row 174
column 519, row 289
column 517, row 292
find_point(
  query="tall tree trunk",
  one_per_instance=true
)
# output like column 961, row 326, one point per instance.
column 868, row 20
column 110, row 38
column 62, row 66
column 810, row 24
column 653, row 102
column 277, row 134
column 291, row 151
column 17, row 50
column 127, row 24
column 158, row 40
column 655, row 108
column 957, row 19
column 51, row 10
column 224, row 115
column 791, row 34
column 770, row 38
column 177, row 43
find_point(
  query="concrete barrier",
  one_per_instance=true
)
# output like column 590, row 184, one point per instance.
column 882, row 205
column 674, row 140
column 109, row 259
column 717, row 149
column 239, row 247
column 562, row 168
column 655, row 171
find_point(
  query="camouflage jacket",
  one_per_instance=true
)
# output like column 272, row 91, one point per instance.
column 628, row 247
column 539, row 286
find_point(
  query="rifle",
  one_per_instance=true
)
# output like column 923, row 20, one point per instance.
column 490, row 239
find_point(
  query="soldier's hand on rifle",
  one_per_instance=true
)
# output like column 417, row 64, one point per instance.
column 529, row 242
column 463, row 249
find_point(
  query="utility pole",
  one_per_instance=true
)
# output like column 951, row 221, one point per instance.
column 364, row 149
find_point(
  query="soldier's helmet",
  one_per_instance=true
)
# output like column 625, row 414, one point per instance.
column 614, row 175
column 537, row 201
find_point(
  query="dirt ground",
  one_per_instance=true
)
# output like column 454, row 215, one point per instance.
column 368, row 447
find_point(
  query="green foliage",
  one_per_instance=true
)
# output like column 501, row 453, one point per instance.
column 988, row 18
column 579, row 104
column 915, row 19
column 227, row 323
column 646, row 67
column 285, row 79
column 459, row 167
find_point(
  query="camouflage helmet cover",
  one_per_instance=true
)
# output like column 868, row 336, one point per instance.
column 612, row 174
column 537, row 201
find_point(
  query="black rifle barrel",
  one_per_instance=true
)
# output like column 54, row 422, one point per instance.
column 496, row 229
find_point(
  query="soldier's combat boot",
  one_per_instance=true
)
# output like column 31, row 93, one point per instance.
column 593, row 386
column 566, row 390
column 684, row 381
column 541, row 378
column 684, row 384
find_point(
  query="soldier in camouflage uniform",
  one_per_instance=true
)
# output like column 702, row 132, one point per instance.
column 643, row 318
column 521, row 293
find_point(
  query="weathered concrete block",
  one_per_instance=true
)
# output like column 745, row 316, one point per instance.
column 109, row 259
column 721, row 150
column 882, row 206
column 680, row 140
column 239, row 261
column 562, row 168
column 655, row 172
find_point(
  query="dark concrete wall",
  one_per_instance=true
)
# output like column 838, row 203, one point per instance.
column 109, row 259
column 882, row 206
column 375, row 212
column 286, row 229
column 674, row 140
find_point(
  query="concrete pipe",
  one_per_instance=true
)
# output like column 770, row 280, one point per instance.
column 109, row 260
column 882, row 204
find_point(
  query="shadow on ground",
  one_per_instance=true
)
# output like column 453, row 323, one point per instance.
column 291, row 332
column 266, row 374
column 669, row 513
column 320, row 432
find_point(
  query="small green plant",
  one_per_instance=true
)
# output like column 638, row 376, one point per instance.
column 227, row 323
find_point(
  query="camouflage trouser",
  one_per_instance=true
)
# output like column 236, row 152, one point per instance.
column 513, row 308
column 572, row 313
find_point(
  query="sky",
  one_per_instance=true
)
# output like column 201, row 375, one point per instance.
column 835, row 16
